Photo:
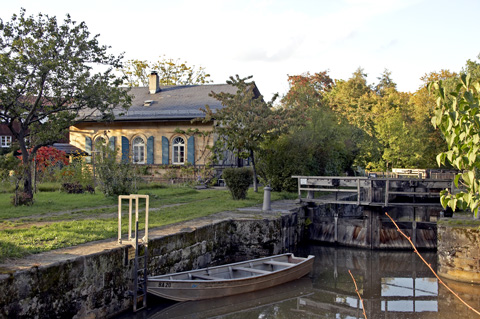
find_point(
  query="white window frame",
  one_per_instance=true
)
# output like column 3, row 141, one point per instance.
column 138, row 150
column 6, row 141
column 178, row 150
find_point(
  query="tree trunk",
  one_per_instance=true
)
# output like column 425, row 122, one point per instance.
column 26, row 169
column 27, row 179
column 255, row 184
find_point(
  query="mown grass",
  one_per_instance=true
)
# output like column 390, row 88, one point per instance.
column 58, row 220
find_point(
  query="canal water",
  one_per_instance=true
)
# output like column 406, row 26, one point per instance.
column 392, row 284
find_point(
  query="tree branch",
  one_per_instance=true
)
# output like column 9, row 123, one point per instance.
column 358, row 293
column 430, row 267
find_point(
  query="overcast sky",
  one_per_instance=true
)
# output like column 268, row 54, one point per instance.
column 271, row 39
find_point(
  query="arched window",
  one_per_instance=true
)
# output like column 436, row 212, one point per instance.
column 178, row 151
column 99, row 147
column 138, row 150
column 99, row 142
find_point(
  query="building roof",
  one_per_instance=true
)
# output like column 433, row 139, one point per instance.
column 181, row 102
column 69, row 149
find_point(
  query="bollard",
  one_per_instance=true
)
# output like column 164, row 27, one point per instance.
column 310, row 195
column 266, row 199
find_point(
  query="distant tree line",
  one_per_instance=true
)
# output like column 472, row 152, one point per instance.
column 338, row 127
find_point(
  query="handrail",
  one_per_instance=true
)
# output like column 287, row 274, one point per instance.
column 365, row 189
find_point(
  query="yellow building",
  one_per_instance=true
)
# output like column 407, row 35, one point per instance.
column 154, row 131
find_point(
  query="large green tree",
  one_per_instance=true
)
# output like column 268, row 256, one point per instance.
column 170, row 72
column 318, row 143
column 48, row 81
column 246, row 120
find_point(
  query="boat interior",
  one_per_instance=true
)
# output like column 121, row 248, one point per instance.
column 239, row 270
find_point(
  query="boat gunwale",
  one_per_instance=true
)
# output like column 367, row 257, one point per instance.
column 164, row 278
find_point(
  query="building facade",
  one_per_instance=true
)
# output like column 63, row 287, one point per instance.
column 159, row 128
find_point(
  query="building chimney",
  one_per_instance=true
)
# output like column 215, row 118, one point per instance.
column 153, row 84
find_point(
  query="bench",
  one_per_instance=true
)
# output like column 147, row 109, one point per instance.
column 206, row 277
column 278, row 263
column 258, row 271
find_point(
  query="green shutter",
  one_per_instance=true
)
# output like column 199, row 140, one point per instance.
column 191, row 150
column 150, row 150
column 125, row 149
column 165, row 148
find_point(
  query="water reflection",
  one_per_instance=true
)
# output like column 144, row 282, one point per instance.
column 392, row 285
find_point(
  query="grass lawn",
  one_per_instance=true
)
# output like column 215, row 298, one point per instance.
column 59, row 220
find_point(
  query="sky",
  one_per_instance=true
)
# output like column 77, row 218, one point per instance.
column 271, row 39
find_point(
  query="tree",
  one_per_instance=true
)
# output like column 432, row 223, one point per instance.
column 321, row 148
column 170, row 72
column 307, row 91
column 319, row 145
column 114, row 178
column 47, row 81
column 457, row 115
column 354, row 100
column 246, row 120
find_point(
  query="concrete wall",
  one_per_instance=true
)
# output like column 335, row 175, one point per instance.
column 97, row 285
column 458, row 253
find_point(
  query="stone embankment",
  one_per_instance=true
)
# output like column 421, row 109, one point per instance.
column 458, row 252
column 94, row 280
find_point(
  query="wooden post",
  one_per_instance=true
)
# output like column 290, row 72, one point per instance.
column 336, row 228
column 358, row 191
column 387, row 185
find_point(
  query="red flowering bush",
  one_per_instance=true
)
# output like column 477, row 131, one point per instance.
column 48, row 157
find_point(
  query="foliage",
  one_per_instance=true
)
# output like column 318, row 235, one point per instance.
column 113, row 177
column 457, row 115
column 47, row 161
column 170, row 72
column 48, row 157
column 307, row 91
column 392, row 128
column 77, row 172
column 246, row 120
column 385, row 82
column 77, row 188
column 47, row 81
column 322, row 147
column 8, row 163
column 238, row 180
column 21, row 199
column 95, row 216
column 203, row 153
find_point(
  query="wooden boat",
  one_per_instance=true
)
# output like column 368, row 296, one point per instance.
column 231, row 279
column 287, row 294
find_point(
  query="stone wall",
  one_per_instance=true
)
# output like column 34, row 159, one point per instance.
column 458, row 253
column 97, row 285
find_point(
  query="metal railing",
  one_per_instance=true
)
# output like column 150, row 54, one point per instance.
column 371, row 191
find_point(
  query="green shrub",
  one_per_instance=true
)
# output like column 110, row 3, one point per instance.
column 238, row 180
column 76, row 172
column 49, row 187
column 72, row 188
column 114, row 178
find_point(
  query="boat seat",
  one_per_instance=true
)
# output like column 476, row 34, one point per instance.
column 278, row 263
column 254, row 270
column 206, row 277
